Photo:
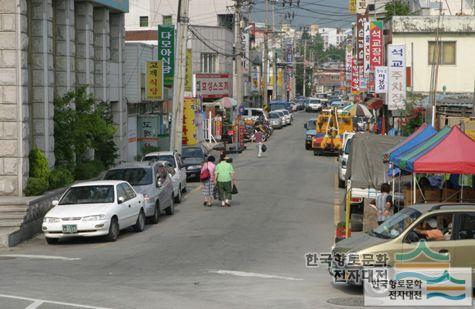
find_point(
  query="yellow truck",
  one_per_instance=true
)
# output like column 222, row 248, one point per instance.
column 330, row 127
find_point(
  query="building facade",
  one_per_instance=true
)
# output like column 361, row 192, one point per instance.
column 48, row 48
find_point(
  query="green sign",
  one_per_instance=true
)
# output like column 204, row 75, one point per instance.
column 166, row 51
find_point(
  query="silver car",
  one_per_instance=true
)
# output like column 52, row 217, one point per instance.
column 153, row 180
column 275, row 120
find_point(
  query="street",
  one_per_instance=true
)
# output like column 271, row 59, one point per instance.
column 251, row 255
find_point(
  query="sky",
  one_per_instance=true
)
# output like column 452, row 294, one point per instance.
column 325, row 13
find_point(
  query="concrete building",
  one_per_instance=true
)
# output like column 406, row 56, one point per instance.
column 456, row 73
column 331, row 37
column 49, row 47
column 442, row 7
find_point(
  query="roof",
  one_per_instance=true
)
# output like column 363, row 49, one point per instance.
column 98, row 183
column 424, row 208
column 422, row 134
column 133, row 165
column 159, row 153
column 429, row 24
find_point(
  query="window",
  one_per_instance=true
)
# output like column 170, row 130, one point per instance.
column 445, row 51
column 167, row 20
column 121, row 192
column 208, row 63
column 143, row 21
column 129, row 191
column 134, row 176
column 467, row 226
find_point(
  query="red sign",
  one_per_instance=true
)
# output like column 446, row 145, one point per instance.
column 360, row 47
column 213, row 86
column 376, row 44
column 355, row 82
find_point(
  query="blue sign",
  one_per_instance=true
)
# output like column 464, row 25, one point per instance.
column 120, row 5
column 241, row 109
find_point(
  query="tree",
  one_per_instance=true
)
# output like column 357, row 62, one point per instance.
column 396, row 8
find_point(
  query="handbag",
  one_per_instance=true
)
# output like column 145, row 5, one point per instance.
column 205, row 174
column 234, row 190
column 264, row 148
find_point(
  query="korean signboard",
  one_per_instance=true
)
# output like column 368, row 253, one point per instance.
column 154, row 81
column 352, row 6
column 348, row 62
column 189, row 70
column 366, row 49
column 213, row 86
column 397, row 77
column 361, row 6
column 148, row 129
column 166, row 51
column 355, row 83
column 376, row 44
column 360, row 48
column 381, row 79
column 190, row 108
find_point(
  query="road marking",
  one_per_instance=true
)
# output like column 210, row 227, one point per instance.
column 38, row 302
column 40, row 257
column 248, row 274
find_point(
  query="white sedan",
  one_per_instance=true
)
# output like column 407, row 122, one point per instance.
column 95, row 208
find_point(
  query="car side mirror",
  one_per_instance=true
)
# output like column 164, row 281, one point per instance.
column 120, row 200
column 305, row 125
column 55, row 202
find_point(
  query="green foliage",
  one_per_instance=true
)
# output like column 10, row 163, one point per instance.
column 60, row 177
column 36, row 186
column 86, row 126
column 88, row 169
column 396, row 8
column 148, row 149
column 38, row 164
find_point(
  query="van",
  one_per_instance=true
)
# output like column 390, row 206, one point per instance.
column 254, row 113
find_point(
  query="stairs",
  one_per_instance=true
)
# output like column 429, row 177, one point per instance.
column 12, row 213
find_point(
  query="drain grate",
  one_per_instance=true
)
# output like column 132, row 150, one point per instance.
column 347, row 301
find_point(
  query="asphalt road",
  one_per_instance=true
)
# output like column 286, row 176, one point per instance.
column 251, row 255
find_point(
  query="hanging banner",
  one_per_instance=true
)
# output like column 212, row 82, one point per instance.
column 355, row 83
column 189, row 70
column 360, row 48
column 397, row 77
column 190, row 108
column 280, row 77
column 367, row 37
column 348, row 62
column 166, row 51
column 376, row 44
column 352, row 6
column 381, row 79
column 154, row 81
column 361, row 6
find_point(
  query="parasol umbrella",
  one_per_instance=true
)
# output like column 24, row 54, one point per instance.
column 358, row 110
column 227, row 102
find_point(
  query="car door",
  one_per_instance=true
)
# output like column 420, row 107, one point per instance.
column 122, row 208
column 175, row 178
column 134, row 204
column 157, row 177
column 463, row 239
column 181, row 170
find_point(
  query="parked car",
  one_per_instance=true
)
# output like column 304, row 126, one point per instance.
column 285, row 119
column 401, row 233
column 275, row 120
column 343, row 158
column 254, row 113
column 314, row 105
column 179, row 175
column 310, row 132
column 95, row 208
column 287, row 116
column 152, row 180
column 193, row 159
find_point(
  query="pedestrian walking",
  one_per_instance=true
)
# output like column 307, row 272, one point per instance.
column 225, row 178
column 384, row 203
column 208, row 178
column 259, row 137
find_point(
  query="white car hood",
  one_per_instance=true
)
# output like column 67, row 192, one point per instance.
column 79, row 210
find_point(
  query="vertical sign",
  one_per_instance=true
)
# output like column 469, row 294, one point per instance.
column 166, row 51
column 154, row 81
column 352, row 6
column 355, row 83
column 367, row 37
column 381, row 79
column 397, row 77
column 376, row 44
column 361, row 6
column 360, row 36
column 348, row 62
column 189, row 70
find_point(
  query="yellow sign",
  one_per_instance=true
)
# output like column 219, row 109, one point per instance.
column 154, row 81
column 352, row 6
column 280, row 76
column 189, row 71
column 189, row 126
column 271, row 79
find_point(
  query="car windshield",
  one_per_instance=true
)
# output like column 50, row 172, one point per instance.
column 286, row 112
column 88, row 195
column 280, row 114
column 167, row 158
column 134, row 176
column 311, row 125
column 192, row 153
column 273, row 116
column 348, row 146
column 395, row 225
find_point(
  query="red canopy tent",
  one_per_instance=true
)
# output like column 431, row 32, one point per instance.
column 455, row 154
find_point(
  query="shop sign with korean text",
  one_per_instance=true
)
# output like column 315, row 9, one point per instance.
column 166, row 51
column 376, row 44
column 360, row 47
column 355, row 83
column 189, row 71
column 367, row 38
column 213, row 86
column 348, row 62
column 381, row 79
column 397, row 77
column 154, row 81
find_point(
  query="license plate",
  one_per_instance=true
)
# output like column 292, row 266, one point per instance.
column 70, row 229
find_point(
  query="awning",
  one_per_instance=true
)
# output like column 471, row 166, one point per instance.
column 375, row 103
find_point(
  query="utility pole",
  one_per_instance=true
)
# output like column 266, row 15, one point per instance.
column 176, row 135
column 304, row 67
column 266, row 55
column 237, row 54
column 274, row 56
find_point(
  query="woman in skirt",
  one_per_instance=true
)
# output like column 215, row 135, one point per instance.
column 208, row 184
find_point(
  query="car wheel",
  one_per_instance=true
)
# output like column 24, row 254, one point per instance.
column 113, row 230
column 171, row 209
column 178, row 196
column 156, row 216
column 52, row 241
column 341, row 183
column 140, row 224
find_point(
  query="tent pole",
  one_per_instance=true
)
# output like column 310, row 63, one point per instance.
column 414, row 180
column 461, row 190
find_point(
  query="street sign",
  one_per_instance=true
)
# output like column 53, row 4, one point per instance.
column 154, row 81
column 397, row 77
column 166, row 51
